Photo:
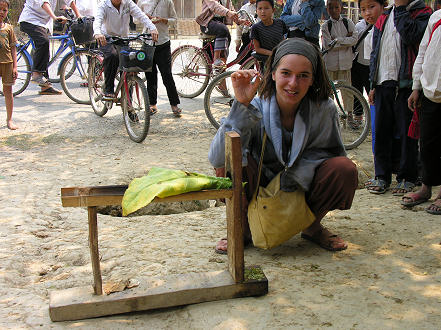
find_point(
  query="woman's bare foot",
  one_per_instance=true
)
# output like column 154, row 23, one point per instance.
column 11, row 125
column 325, row 239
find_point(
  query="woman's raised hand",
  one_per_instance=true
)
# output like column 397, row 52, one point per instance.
column 244, row 89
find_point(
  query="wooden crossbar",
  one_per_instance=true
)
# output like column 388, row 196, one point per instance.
column 113, row 195
column 76, row 304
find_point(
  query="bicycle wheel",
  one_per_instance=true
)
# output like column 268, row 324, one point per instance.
column 96, row 86
column 218, row 98
column 250, row 63
column 190, row 70
column 354, row 118
column 55, row 61
column 24, row 74
column 75, row 85
column 136, row 110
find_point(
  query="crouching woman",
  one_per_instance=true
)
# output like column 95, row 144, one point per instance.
column 303, row 139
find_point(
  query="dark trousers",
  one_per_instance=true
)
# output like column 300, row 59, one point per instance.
column 430, row 141
column 220, row 30
column 301, row 34
column 360, row 80
column 110, row 63
column 40, row 36
column 245, row 41
column 392, row 119
column 162, row 61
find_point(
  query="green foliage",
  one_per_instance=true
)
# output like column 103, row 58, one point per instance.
column 15, row 10
column 162, row 182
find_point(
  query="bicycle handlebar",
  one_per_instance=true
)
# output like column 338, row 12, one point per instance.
column 249, row 17
column 330, row 46
column 126, row 40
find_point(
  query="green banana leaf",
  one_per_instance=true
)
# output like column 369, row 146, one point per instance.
column 162, row 182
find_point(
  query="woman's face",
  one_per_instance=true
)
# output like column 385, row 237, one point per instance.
column 293, row 77
column 371, row 10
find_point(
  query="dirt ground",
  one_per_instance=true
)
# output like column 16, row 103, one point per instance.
column 389, row 277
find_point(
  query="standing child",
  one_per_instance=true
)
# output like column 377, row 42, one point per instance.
column 36, row 21
column 243, row 32
column 427, row 78
column 396, row 37
column 339, row 59
column 8, row 61
column 267, row 33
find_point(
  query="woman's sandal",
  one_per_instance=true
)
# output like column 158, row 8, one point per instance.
column 220, row 251
column 402, row 187
column 325, row 239
column 378, row 186
column 413, row 199
column 153, row 110
column 177, row 112
column 246, row 242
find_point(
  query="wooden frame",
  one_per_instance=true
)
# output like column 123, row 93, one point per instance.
column 154, row 293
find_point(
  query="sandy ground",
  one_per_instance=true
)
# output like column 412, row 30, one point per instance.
column 389, row 277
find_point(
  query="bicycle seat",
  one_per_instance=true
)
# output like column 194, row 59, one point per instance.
column 207, row 37
column 259, row 57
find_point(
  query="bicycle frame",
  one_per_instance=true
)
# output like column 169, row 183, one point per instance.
column 66, row 42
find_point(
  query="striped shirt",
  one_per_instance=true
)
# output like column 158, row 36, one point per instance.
column 269, row 36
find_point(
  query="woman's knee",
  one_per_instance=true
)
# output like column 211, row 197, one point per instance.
column 342, row 167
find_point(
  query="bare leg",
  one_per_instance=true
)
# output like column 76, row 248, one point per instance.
column 9, row 101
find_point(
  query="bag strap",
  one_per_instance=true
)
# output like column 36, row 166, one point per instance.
column 154, row 8
column 261, row 159
column 345, row 23
column 363, row 35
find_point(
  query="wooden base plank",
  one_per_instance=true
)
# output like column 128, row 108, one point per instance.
column 153, row 293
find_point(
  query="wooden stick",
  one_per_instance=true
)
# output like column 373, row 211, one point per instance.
column 94, row 254
column 233, row 165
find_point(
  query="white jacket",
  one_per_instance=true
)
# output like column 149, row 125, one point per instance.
column 111, row 22
column 426, row 72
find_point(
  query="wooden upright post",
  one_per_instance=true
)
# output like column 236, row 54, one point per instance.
column 233, row 165
column 94, row 254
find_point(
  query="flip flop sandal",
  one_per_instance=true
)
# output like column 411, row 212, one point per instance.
column 323, row 242
column 403, row 185
column 50, row 91
column 177, row 112
column 435, row 212
column 219, row 251
column 153, row 111
column 133, row 116
column 415, row 198
column 378, row 183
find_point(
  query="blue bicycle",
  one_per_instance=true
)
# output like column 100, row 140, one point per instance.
column 68, row 63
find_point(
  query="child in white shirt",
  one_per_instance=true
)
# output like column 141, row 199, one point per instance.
column 113, row 19
column 339, row 60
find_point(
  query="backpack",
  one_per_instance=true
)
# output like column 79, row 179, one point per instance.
column 345, row 23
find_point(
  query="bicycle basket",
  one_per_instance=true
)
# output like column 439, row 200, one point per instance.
column 82, row 30
column 136, row 60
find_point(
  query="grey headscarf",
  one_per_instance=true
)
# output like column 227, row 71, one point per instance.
column 296, row 46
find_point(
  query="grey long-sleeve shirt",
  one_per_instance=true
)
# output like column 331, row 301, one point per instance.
column 315, row 138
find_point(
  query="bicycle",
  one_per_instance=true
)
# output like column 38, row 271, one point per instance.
column 218, row 101
column 133, row 98
column 65, row 62
column 192, row 66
